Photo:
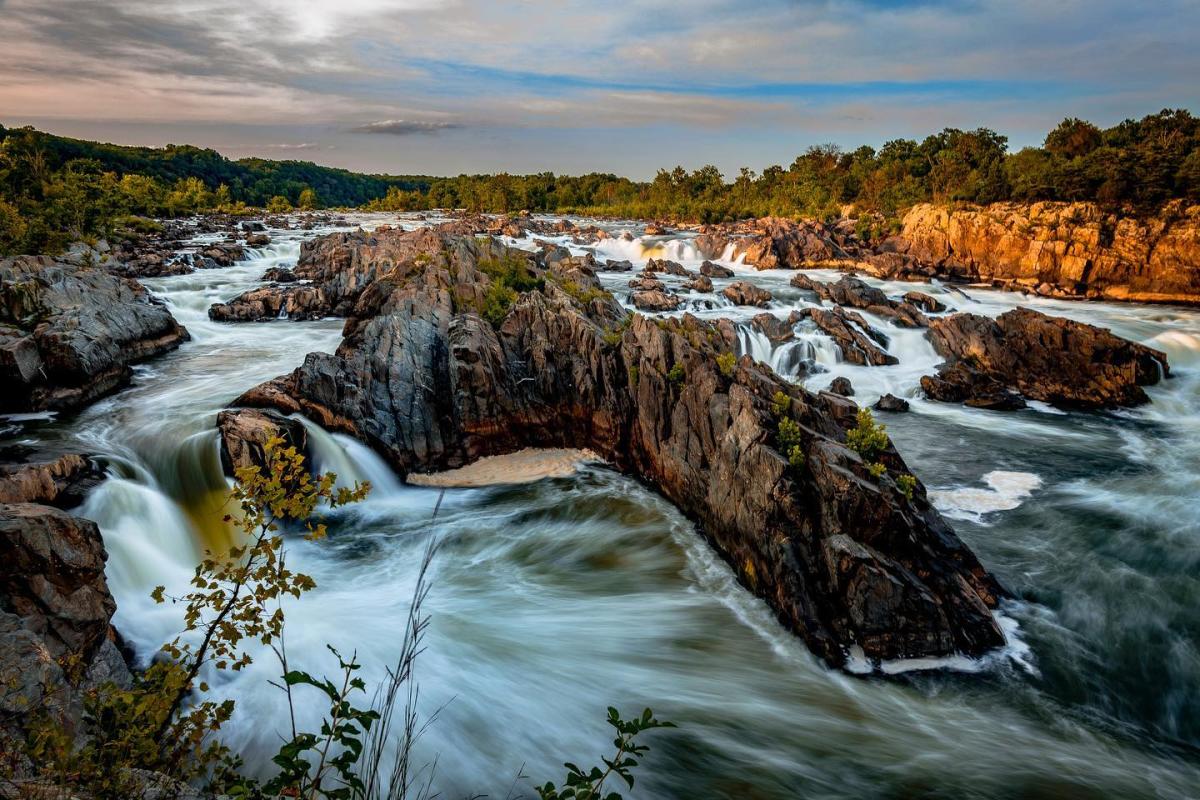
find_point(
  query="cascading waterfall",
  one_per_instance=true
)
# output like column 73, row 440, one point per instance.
column 554, row 600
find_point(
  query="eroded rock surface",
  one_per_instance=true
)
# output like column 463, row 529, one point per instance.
column 69, row 333
column 1051, row 359
column 843, row 558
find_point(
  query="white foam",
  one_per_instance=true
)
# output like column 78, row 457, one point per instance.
column 1004, row 492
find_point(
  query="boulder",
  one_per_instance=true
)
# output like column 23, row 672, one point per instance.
column 774, row 328
column 63, row 482
column 279, row 275
column 844, row 559
column 701, row 283
column 1055, row 360
column 841, row 386
column 257, row 240
column 891, row 403
column 667, row 266
column 857, row 340
column 617, row 266
column 646, row 282
column 925, row 302
column 855, row 293
column 711, row 270
column 744, row 293
column 69, row 333
column 245, row 431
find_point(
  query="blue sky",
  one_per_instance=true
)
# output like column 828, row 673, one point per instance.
column 449, row 86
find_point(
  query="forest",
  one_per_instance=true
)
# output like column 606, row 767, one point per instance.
column 54, row 190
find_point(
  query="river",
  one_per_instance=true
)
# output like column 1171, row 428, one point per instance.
column 555, row 599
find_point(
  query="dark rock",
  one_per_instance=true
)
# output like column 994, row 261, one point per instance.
column 925, row 302
column 889, row 402
column 1051, row 359
column 771, row 326
column 617, row 266
column 257, row 240
column 841, row 386
column 712, row 270
column 279, row 275
column 667, row 266
column 69, row 333
column 701, row 283
column 843, row 559
column 744, row 293
column 855, row 293
column 646, row 282
column 857, row 340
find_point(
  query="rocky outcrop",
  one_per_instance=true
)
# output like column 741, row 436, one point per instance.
column 55, row 638
column 69, row 333
column 1059, row 361
column 655, row 300
column 1066, row 249
column 744, row 293
column 855, row 293
column 857, row 340
column 245, row 432
column 844, row 558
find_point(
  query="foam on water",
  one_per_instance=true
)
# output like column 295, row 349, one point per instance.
column 1004, row 491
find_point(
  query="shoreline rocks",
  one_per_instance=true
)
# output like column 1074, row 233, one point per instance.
column 69, row 333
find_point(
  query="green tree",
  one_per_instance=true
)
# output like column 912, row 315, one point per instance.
column 308, row 199
column 1073, row 138
column 278, row 205
column 12, row 227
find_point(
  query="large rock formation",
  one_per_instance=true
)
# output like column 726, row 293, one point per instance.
column 1073, row 249
column 845, row 559
column 68, row 333
column 855, row 293
column 1055, row 360
column 55, row 638
column 62, row 482
column 778, row 243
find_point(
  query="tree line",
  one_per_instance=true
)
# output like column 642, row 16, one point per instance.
column 54, row 189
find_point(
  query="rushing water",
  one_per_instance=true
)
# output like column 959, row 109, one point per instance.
column 556, row 599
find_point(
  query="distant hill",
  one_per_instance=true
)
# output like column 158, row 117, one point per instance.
column 252, row 180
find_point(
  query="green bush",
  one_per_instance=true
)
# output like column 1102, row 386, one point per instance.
column 677, row 374
column 867, row 438
column 781, row 403
column 726, row 362
column 906, row 484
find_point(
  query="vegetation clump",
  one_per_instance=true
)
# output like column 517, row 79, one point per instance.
column 677, row 374
column 906, row 483
column 867, row 438
column 726, row 362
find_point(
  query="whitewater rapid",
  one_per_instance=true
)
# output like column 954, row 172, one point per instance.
column 556, row 599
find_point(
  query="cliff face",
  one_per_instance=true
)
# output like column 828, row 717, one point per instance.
column 1074, row 249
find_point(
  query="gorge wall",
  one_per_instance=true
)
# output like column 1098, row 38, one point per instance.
column 1076, row 249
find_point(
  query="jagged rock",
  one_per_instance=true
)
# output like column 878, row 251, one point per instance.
column 701, row 283
column 771, row 326
column 257, row 240
column 776, row 243
column 925, row 302
column 272, row 302
column 655, row 300
column 843, row 559
column 744, row 293
column 617, row 266
column 223, row 255
column 63, row 482
column 1051, row 359
column 841, row 386
column 69, row 333
column 245, row 431
column 857, row 340
column 711, row 270
column 653, row 229
column 889, row 402
column 1076, row 249
column 855, row 293
column 252, row 226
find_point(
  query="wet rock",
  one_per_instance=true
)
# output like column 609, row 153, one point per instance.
column 63, row 482
column 857, row 340
column 279, row 275
column 653, row 229
column 701, row 283
column 69, row 333
column 841, row 386
column 272, row 302
column 223, row 255
column 252, row 226
column 855, row 293
column 776, row 243
column 1059, row 361
column 655, row 300
column 244, row 432
column 744, row 293
column 712, row 270
column 771, row 326
column 889, row 402
column 925, row 302
column 617, row 266
column 844, row 559
column 646, row 282
column 667, row 266
column 257, row 240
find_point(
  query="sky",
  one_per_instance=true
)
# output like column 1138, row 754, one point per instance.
column 451, row 86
